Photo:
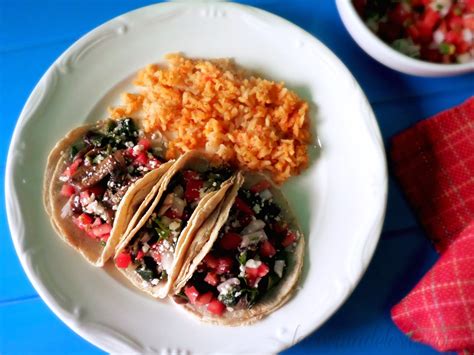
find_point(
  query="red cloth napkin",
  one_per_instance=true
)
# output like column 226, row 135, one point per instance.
column 434, row 163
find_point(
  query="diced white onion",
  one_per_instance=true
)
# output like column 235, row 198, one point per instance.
column 254, row 226
column 66, row 210
column 438, row 36
column 167, row 203
column 278, row 267
column 253, row 238
column 266, row 194
column 467, row 35
column 225, row 286
column 167, row 261
column 253, row 264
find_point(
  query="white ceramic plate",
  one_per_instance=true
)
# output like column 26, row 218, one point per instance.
column 340, row 200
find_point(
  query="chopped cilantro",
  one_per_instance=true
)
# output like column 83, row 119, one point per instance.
column 447, row 48
column 73, row 152
column 145, row 273
column 242, row 258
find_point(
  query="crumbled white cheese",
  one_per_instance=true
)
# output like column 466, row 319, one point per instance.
column 266, row 194
column 97, row 209
column 278, row 267
column 230, row 309
column 155, row 282
column 225, row 287
column 253, row 264
column 87, row 200
column 153, row 164
column 253, row 238
column 174, row 225
column 254, row 226
column 242, row 270
column 137, row 149
column 167, row 261
column 145, row 247
column 129, row 144
column 257, row 208
column 63, row 178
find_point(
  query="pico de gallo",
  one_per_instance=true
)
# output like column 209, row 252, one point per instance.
column 100, row 168
column 151, row 251
column 440, row 31
column 247, row 260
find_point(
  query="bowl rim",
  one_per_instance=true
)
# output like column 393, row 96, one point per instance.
column 350, row 16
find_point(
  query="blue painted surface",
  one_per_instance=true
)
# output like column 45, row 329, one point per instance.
column 34, row 33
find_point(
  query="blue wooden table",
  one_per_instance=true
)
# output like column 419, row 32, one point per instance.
column 34, row 33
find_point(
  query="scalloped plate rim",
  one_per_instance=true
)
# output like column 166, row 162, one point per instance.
column 12, row 199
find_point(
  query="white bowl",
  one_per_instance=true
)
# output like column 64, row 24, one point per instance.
column 388, row 56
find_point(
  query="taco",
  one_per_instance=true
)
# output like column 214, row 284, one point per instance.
column 96, row 178
column 151, row 254
column 246, row 260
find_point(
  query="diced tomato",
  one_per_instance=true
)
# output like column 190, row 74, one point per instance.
column 204, row 299
column 140, row 255
column 83, row 221
column 430, row 18
column 68, row 190
column 453, row 37
column 97, row 190
column 243, row 206
column 212, row 278
column 191, row 293
column 216, row 307
column 230, row 241
column 267, row 250
column 211, row 261
column 259, row 187
column 71, row 169
column 191, row 192
column 145, row 143
column 254, row 274
column 289, row 239
column 104, row 228
column 123, row 260
column 399, row 14
column 280, row 228
column 263, row 270
column 172, row 213
column 455, row 23
column 97, row 222
column 462, row 47
column 224, row 265
column 468, row 21
column 141, row 159
column 259, row 271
